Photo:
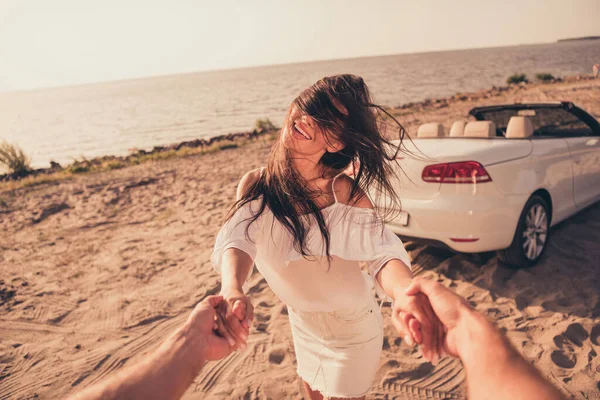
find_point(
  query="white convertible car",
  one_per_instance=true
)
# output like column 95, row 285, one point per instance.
column 501, row 181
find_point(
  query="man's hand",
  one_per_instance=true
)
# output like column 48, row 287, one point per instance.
column 234, row 318
column 167, row 372
column 494, row 369
column 201, row 324
column 414, row 319
column 448, row 308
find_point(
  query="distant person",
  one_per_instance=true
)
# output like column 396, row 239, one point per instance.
column 596, row 70
column 494, row 369
column 307, row 225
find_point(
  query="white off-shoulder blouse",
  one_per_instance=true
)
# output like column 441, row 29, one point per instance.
column 311, row 284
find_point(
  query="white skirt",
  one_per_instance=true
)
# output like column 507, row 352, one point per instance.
column 338, row 352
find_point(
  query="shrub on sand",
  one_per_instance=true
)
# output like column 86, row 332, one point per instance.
column 220, row 146
column 517, row 78
column 14, row 159
column 115, row 165
column 544, row 77
column 79, row 167
column 264, row 125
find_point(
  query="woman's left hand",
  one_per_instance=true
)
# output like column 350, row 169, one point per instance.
column 415, row 320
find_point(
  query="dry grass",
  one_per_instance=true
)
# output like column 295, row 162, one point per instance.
column 35, row 180
column 14, row 159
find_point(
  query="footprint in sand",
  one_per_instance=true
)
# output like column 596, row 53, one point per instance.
column 560, row 341
column 595, row 335
column 261, row 321
column 262, row 317
column 575, row 334
column 277, row 356
column 563, row 359
column 264, row 304
column 386, row 343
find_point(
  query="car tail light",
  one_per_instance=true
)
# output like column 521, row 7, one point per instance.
column 458, row 172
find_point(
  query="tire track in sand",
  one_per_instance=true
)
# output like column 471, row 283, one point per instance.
column 210, row 376
column 85, row 367
column 144, row 341
column 22, row 362
column 425, row 382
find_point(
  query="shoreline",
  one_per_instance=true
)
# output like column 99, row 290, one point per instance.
column 110, row 162
column 232, row 140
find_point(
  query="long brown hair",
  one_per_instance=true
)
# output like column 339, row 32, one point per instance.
column 341, row 106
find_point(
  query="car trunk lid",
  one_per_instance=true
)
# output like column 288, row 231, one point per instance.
column 422, row 152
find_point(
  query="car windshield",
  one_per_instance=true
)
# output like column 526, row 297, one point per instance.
column 555, row 122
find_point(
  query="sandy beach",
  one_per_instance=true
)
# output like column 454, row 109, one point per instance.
column 96, row 270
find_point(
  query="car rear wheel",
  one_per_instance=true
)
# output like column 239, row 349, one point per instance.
column 531, row 236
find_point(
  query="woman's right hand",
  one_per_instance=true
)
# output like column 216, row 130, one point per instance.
column 413, row 317
column 234, row 317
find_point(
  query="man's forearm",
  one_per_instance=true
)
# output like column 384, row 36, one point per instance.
column 494, row 369
column 165, row 374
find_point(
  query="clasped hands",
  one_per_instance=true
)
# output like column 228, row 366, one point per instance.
column 233, row 318
column 417, row 323
column 424, row 313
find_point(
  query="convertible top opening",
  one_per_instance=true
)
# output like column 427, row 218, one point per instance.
column 560, row 119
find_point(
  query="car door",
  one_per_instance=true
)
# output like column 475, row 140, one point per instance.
column 584, row 148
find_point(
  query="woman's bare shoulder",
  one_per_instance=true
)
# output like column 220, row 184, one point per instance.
column 247, row 181
column 342, row 186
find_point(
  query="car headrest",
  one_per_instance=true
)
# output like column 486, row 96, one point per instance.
column 432, row 129
column 482, row 129
column 519, row 127
column 458, row 129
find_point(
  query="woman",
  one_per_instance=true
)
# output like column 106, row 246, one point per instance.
column 306, row 226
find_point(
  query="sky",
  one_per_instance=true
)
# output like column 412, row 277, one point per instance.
column 65, row 42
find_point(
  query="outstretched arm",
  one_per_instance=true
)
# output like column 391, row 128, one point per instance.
column 494, row 368
column 236, row 312
column 168, row 371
